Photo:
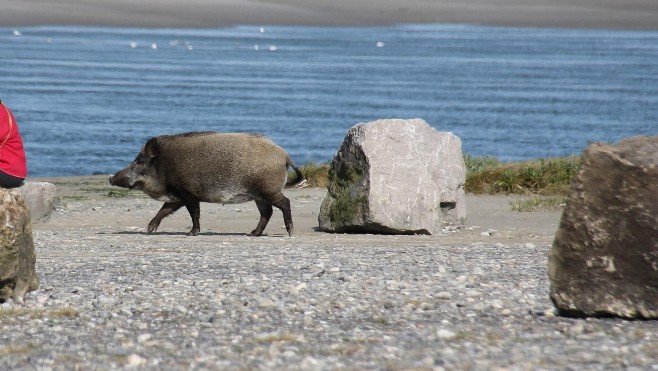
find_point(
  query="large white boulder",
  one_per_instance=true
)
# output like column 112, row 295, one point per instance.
column 395, row 176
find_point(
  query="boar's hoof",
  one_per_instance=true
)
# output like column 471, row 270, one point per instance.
column 193, row 232
column 256, row 233
column 151, row 228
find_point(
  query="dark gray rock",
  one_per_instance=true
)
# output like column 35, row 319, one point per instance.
column 395, row 176
column 604, row 259
column 17, row 258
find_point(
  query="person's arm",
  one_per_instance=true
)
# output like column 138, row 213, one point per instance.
column 6, row 123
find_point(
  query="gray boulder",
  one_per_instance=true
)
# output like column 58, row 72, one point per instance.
column 17, row 258
column 40, row 198
column 604, row 259
column 395, row 176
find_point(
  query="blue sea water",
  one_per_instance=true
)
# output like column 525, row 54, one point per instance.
column 86, row 99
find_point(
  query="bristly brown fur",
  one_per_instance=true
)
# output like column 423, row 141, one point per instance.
column 189, row 168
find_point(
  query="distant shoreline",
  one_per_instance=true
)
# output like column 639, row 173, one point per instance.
column 585, row 14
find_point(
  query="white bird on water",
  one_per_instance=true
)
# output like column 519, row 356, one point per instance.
column 154, row 46
column 17, row 33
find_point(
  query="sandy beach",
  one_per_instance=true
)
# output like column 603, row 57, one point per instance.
column 89, row 194
column 113, row 297
column 605, row 14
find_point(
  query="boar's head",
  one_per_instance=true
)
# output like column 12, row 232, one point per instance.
column 142, row 173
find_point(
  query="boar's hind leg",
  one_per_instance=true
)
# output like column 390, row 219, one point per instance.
column 265, row 209
column 283, row 203
column 167, row 209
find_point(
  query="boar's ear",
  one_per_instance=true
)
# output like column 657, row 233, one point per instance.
column 152, row 149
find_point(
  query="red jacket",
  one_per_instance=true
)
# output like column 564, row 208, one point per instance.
column 12, row 154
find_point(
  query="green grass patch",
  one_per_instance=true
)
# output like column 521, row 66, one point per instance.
column 13, row 349
column 547, row 177
column 64, row 183
column 316, row 175
column 74, row 197
column 64, row 312
column 91, row 189
column 120, row 193
column 538, row 203
column 477, row 163
column 9, row 313
column 114, row 192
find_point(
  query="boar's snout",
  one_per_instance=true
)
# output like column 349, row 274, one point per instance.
column 121, row 179
column 115, row 180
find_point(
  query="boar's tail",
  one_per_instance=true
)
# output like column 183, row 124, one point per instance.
column 299, row 180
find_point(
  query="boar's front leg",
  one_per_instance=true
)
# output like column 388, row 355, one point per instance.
column 167, row 209
column 194, row 208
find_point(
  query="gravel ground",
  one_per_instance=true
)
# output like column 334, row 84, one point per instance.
column 112, row 297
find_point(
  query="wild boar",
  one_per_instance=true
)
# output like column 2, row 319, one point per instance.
column 189, row 168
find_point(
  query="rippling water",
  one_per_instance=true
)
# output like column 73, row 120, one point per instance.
column 87, row 98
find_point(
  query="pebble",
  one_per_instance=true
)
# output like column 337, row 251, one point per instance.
column 445, row 334
column 143, row 338
column 135, row 360
column 444, row 295
column 41, row 298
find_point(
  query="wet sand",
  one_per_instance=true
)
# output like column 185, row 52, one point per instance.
column 603, row 14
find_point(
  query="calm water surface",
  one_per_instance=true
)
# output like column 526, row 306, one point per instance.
column 87, row 98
